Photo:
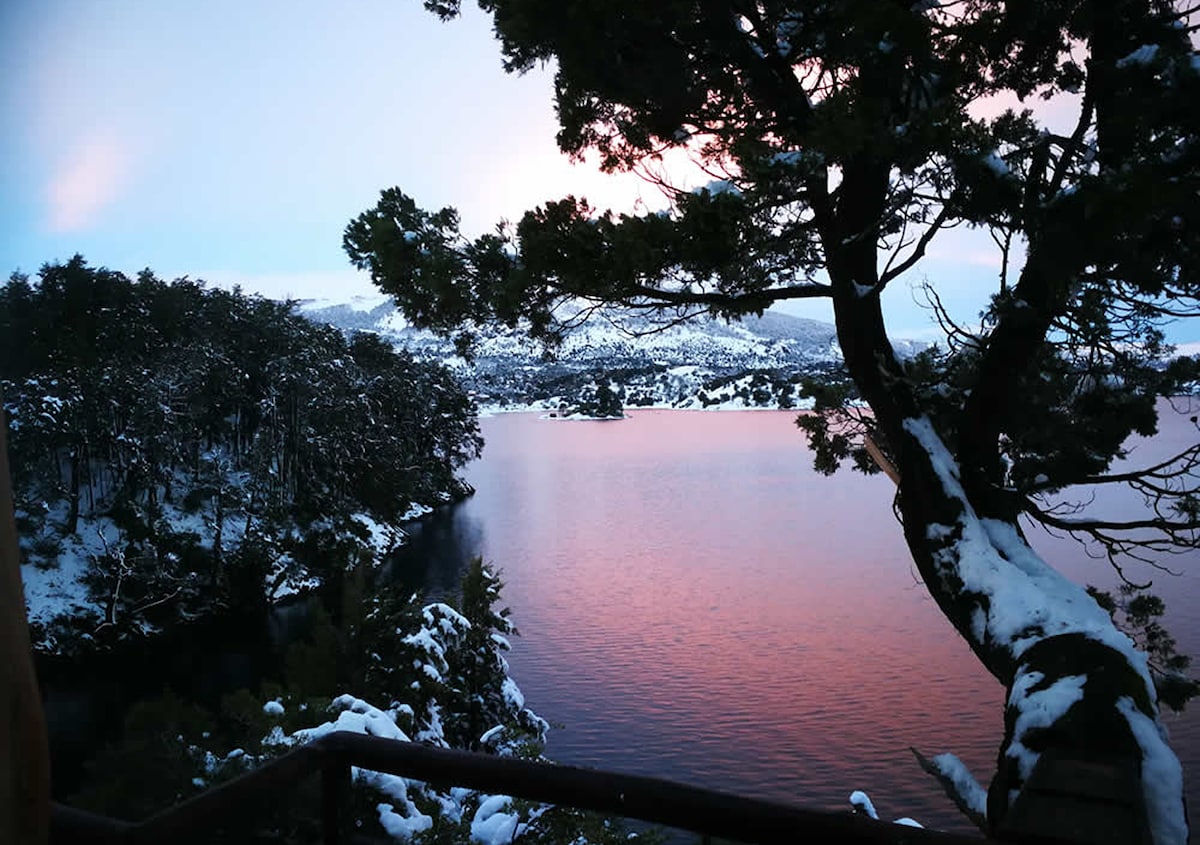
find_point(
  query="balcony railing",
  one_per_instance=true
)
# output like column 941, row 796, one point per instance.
column 702, row 811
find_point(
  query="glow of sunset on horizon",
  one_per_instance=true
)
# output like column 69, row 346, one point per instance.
column 233, row 142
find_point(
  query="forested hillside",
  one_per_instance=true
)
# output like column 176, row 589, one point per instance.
column 176, row 449
column 762, row 362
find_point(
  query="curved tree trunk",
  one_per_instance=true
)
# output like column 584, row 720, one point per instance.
column 1077, row 687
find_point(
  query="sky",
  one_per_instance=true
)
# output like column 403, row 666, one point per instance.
column 233, row 141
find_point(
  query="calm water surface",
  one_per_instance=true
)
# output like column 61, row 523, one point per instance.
column 695, row 602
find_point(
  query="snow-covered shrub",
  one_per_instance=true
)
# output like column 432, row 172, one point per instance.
column 447, row 667
column 435, row 674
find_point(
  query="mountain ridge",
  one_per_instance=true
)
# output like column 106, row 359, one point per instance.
column 703, row 362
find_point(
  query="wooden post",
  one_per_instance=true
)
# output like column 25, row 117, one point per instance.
column 881, row 460
column 335, row 799
column 24, row 754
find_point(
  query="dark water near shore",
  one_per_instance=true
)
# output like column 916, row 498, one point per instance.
column 696, row 603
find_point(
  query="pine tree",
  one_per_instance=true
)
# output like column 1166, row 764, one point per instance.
column 486, row 697
column 844, row 138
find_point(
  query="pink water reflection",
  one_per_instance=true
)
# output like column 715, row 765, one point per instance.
column 696, row 602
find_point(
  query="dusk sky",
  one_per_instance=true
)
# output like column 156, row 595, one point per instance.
column 233, row 141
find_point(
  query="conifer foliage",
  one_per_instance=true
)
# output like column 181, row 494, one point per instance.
column 428, row 672
column 200, row 447
column 844, row 139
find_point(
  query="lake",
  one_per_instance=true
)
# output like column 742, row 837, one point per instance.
column 696, row 603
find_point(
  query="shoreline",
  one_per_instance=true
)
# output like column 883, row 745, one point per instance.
column 630, row 410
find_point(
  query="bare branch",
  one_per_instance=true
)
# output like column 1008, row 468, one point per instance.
column 957, row 337
column 751, row 300
column 1114, row 545
column 1178, row 466
column 1071, row 148
column 1120, row 525
column 918, row 251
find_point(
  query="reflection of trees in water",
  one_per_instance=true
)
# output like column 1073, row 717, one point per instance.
column 437, row 553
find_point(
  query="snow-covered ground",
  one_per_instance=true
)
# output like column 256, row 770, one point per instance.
column 57, row 567
column 703, row 362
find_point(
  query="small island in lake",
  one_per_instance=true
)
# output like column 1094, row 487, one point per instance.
column 596, row 401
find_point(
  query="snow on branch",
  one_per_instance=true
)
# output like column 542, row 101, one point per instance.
column 1017, row 598
column 862, row 805
column 959, row 784
column 1032, row 625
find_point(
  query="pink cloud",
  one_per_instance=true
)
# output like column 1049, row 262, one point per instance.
column 88, row 178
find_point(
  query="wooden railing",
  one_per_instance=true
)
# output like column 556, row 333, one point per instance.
column 707, row 813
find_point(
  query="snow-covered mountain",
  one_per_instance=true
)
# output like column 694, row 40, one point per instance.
column 702, row 362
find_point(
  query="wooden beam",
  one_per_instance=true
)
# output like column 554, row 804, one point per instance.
column 648, row 799
column 881, row 460
column 24, row 755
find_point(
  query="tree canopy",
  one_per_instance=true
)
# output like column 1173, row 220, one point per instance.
column 218, row 445
column 843, row 139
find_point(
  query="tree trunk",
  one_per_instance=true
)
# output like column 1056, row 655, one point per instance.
column 1077, row 687
column 218, row 553
column 73, row 492
column 24, row 756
